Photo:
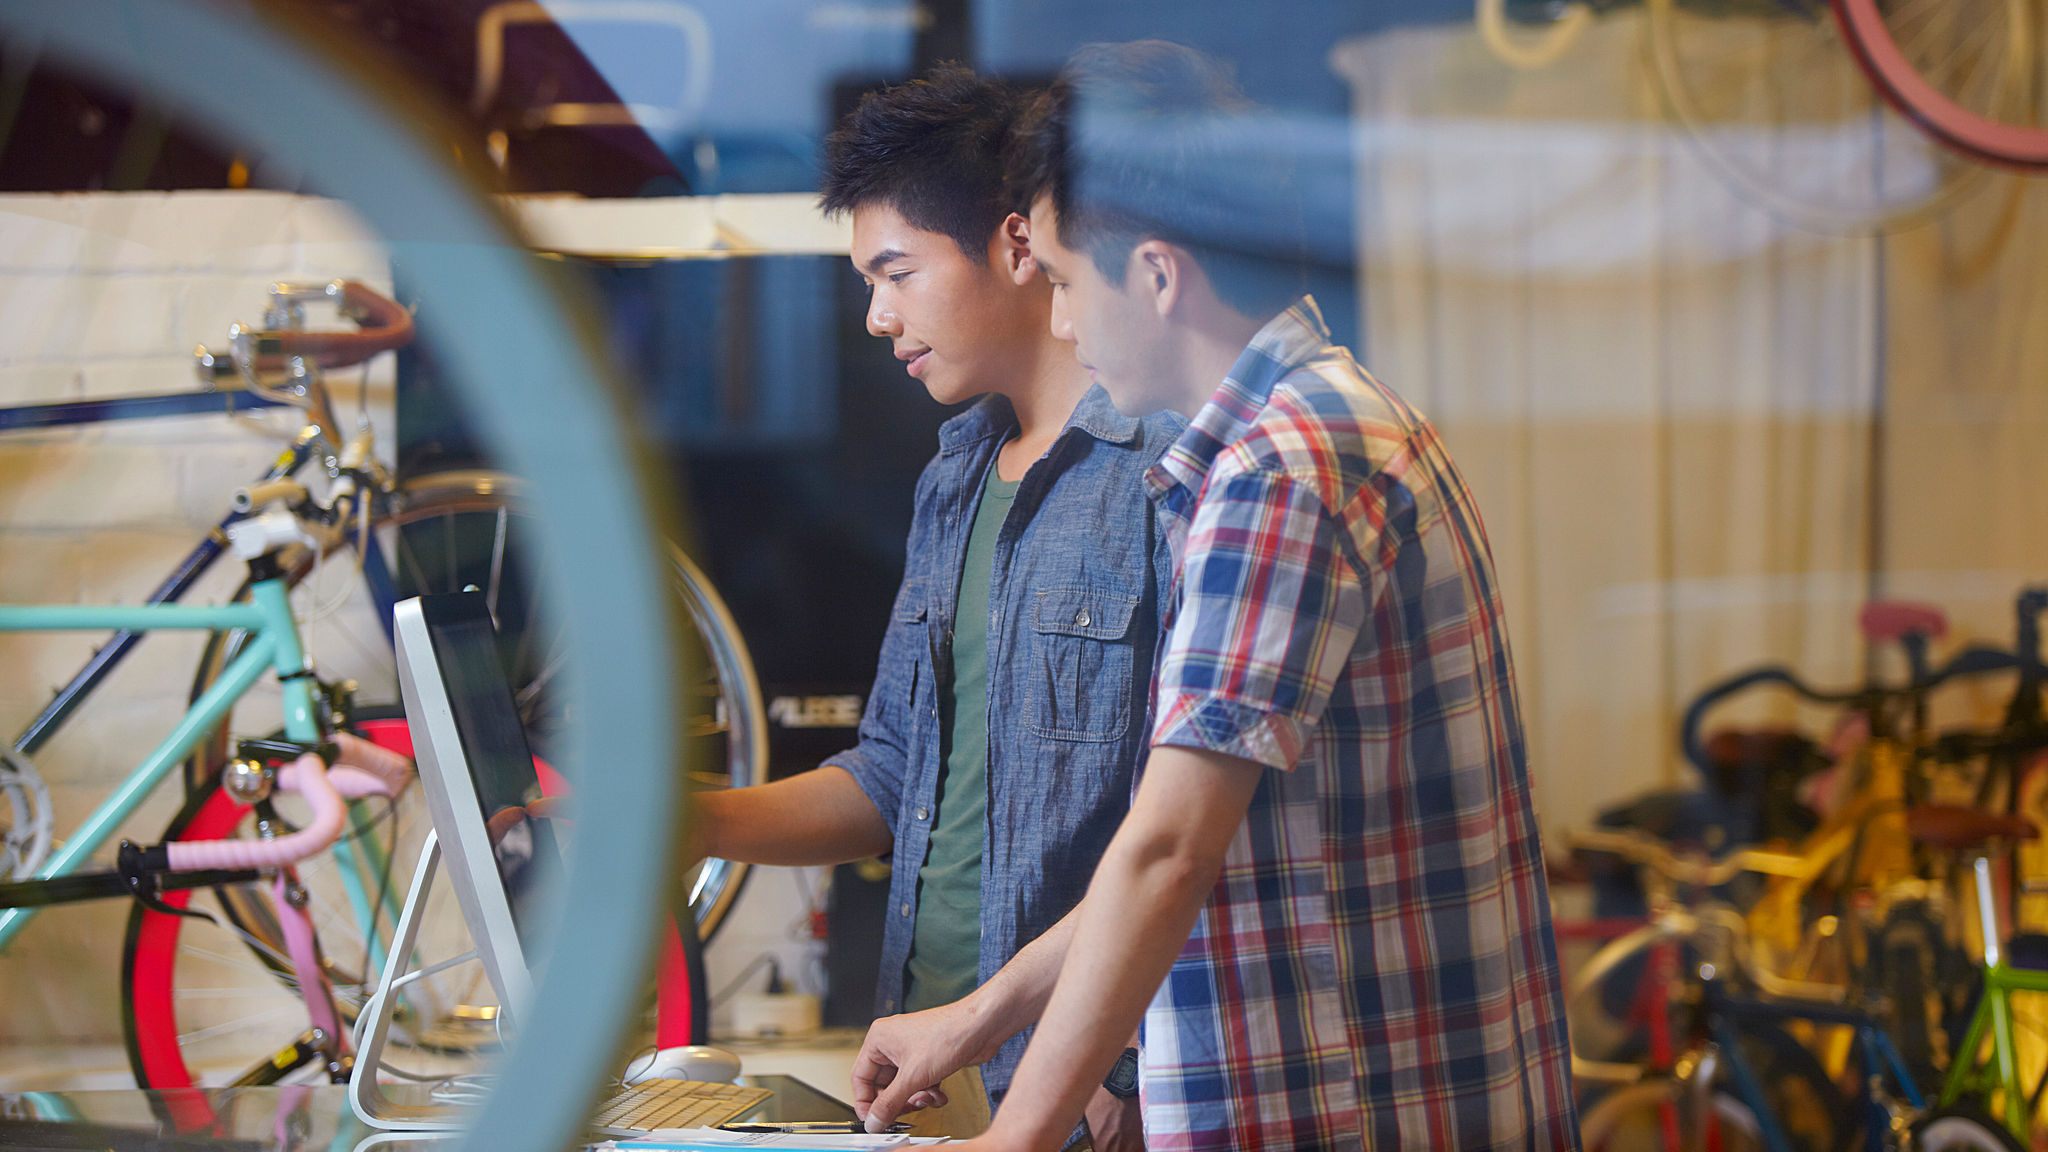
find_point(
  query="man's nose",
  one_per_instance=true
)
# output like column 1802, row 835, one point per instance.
column 1062, row 325
column 882, row 319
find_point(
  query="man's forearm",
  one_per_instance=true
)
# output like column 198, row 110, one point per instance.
column 816, row 817
column 1118, row 945
column 1014, row 998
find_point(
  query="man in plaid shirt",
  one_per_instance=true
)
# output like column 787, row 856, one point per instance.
column 1327, row 901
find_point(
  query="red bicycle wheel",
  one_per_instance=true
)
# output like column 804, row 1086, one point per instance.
column 1968, row 80
column 149, row 969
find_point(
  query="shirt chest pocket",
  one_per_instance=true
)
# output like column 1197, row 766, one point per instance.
column 913, row 633
column 1081, row 664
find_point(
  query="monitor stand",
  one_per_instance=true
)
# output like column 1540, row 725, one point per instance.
column 365, row 1096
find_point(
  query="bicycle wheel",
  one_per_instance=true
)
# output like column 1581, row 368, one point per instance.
column 1807, row 1105
column 454, row 530
column 448, row 531
column 1774, row 102
column 1927, row 985
column 1640, row 1117
column 1959, row 1129
column 444, row 532
column 1963, row 72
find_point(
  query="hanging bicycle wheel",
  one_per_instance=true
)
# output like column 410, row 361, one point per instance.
column 1966, row 72
column 1774, row 102
column 444, row 532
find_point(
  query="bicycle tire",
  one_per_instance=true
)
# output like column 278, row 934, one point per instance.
column 1960, row 1129
column 1775, row 104
column 2002, row 126
column 1807, row 1104
column 1927, row 986
column 1632, row 1119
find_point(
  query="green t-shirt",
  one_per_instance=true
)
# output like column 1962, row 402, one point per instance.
column 945, row 951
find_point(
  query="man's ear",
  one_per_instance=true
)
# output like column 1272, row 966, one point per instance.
column 1157, row 271
column 1015, row 238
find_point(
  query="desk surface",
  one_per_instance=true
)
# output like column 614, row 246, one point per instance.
column 269, row 1119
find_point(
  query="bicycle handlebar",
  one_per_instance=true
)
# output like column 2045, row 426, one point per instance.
column 361, row 769
column 382, row 323
column 1975, row 661
column 1654, row 854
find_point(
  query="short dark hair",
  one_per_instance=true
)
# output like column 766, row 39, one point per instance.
column 1155, row 139
column 932, row 149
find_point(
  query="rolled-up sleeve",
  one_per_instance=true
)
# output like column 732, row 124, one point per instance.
column 1271, row 605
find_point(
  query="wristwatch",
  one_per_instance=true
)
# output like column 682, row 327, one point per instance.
column 1122, row 1081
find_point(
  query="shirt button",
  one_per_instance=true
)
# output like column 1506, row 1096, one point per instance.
column 906, row 908
column 1081, row 621
column 923, row 813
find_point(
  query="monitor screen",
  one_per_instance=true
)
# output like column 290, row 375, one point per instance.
column 515, row 810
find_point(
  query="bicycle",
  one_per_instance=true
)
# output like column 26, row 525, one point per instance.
column 1744, row 1079
column 316, row 759
column 446, row 530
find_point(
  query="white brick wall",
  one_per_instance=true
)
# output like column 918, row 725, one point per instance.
column 106, row 294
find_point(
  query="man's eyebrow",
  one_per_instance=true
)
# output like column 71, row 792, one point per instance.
column 884, row 257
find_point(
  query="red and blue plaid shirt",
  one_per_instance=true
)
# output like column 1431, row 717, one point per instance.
column 1376, row 965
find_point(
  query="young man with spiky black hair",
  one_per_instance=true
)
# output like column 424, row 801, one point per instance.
column 995, row 756
column 1327, row 902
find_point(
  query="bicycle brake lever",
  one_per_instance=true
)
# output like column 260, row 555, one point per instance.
column 139, row 868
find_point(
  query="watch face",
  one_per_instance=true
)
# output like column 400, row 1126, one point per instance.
column 1122, row 1080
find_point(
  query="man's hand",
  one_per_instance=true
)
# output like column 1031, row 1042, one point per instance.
column 904, row 1057
column 1114, row 1123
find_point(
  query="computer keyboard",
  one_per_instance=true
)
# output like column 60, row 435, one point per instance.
column 653, row 1104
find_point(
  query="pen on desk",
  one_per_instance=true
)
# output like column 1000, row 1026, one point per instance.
column 850, row 1127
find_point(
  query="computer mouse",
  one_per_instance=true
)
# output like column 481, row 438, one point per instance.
column 695, row 1062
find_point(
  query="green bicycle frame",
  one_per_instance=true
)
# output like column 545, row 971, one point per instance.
column 273, row 647
column 1968, row 1075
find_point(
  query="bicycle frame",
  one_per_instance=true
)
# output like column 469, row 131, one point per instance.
column 1725, row 1017
column 187, row 572
column 273, row 646
column 1993, row 1015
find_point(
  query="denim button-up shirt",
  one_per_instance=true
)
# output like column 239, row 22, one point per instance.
column 1078, row 571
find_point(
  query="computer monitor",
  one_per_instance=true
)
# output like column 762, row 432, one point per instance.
column 482, row 787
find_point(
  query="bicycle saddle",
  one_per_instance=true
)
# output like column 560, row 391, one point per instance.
column 1887, row 620
column 1958, row 827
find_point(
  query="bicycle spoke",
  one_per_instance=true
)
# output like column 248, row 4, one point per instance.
column 212, row 1030
column 236, row 962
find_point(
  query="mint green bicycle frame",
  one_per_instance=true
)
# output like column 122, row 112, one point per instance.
column 273, row 646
